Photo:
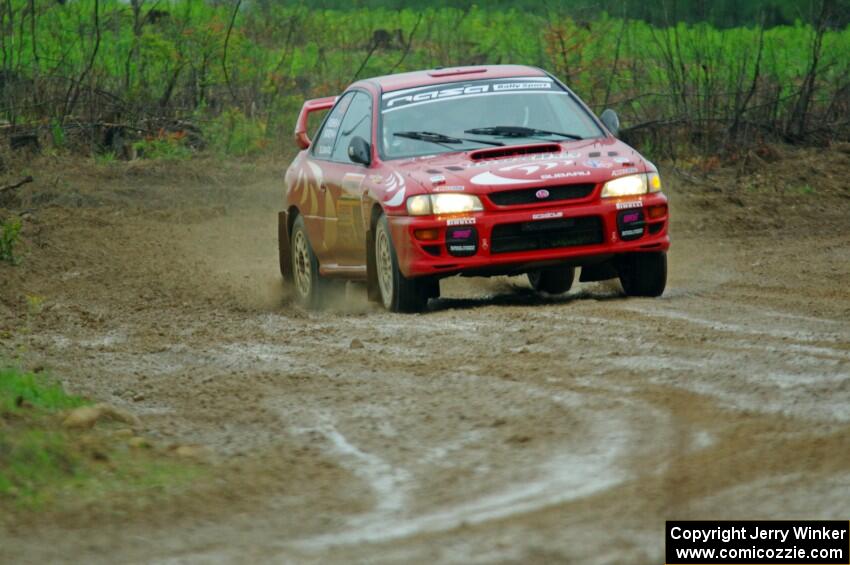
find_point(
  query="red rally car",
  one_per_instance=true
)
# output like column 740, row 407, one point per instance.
column 476, row 171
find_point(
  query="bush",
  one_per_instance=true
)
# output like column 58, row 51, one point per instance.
column 234, row 133
column 166, row 146
column 10, row 232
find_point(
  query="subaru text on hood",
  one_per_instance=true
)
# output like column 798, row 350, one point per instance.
column 476, row 171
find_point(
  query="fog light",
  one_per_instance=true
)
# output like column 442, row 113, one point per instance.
column 656, row 212
column 427, row 235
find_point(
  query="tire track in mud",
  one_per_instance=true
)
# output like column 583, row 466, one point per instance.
column 550, row 482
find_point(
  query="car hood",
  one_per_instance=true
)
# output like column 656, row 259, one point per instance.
column 524, row 166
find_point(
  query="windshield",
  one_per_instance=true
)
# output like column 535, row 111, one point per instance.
column 420, row 121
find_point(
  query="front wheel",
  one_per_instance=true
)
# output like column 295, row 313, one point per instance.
column 398, row 293
column 554, row 280
column 643, row 274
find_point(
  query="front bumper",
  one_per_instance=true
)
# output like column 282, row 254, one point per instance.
column 428, row 257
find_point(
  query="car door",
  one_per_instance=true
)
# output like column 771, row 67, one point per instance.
column 344, row 180
column 317, row 202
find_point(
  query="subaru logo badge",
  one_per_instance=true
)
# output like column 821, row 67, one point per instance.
column 542, row 193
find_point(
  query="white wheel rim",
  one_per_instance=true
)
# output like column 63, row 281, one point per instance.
column 301, row 264
column 384, row 265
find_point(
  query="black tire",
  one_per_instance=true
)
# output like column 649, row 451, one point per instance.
column 643, row 274
column 398, row 293
column 554, row 280
column 310, row 287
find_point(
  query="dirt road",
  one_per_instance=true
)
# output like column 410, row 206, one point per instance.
column 499, row 427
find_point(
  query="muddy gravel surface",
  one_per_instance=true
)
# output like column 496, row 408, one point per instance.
column 499, row 427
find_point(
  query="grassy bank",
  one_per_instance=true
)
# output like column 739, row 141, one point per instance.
column 44, row 465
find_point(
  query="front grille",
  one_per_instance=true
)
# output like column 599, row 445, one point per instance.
column 546, row 234
column 529, row 195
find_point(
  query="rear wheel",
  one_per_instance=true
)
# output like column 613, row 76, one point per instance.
column 554, row 280
column 643, row 274
column 398, row 293
column 310, row 286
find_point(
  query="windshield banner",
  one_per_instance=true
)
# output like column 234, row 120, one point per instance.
column 428, row 94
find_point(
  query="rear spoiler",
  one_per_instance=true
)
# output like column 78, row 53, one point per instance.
column 315, row 105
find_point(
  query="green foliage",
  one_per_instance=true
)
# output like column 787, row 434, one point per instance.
column 58, row 134
column 17, row 387
column 43, row 465
column 165, row 147
column 107, row 158
column 233, row 133
column 10, row 231
column 244, row 85
column 723, row 13
column 32, row 457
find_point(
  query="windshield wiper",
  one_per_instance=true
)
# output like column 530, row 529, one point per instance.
column 518, row 131
column 441, row 139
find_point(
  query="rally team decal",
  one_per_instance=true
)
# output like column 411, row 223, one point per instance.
column 423, row 95
column 524, row 173
column 396, row 188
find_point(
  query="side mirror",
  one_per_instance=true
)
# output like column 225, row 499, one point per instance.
column 359, row 151
column 612, row 121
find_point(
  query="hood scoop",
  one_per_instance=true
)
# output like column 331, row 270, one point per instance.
column 499, row 152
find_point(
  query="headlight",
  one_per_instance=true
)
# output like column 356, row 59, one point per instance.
column 419, row 205
column 631, row 185
column 443, row 204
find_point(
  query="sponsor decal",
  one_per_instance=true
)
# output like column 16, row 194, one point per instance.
column 508, row 174
column 628, row 205
column 623, row 160
column 491, row 179
column 521, row 85
column 449, row 188
column 547, row 215
column 594, row 164
column 569, row 175
column 423, row 95
column 626, row 171
column 462, row 234
column 627, row 233
column 542, row 194
column 614, row 236
column 460, row 222
column 632, row 217
column 438, row 179
column 438, row 94
column 484, row 244
column 377, row 179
